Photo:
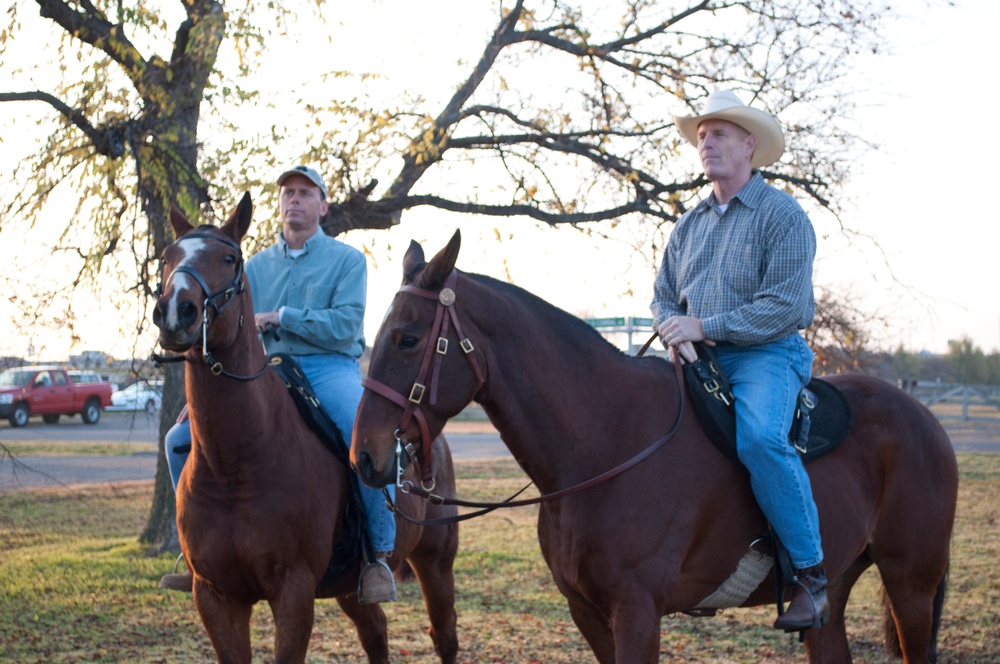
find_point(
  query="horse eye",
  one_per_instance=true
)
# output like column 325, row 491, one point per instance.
column 408, row 341
column 230, row 259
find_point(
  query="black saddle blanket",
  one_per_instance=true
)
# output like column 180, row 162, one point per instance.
column 822, row 417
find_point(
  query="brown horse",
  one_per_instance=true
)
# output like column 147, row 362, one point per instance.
column 672, row 533
column 261, row 501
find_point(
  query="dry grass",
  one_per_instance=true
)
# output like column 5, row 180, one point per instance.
column 76, row 587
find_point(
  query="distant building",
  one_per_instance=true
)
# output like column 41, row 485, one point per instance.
column 90, row 359
column 9, row 362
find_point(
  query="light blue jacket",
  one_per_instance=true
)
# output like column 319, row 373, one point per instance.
column 320, row 294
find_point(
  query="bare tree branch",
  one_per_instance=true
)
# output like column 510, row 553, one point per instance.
column 107, row 141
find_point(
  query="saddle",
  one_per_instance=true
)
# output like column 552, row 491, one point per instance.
column 356, row 533
column 822, row 415
column 822, row 421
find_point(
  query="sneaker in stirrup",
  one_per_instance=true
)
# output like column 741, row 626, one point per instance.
column 174, row 581
column 377, row 583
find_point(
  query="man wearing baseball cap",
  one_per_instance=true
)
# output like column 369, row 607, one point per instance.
column 308, row 292
column 737, row 274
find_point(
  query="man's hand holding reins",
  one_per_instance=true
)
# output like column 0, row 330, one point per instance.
column 678, row 333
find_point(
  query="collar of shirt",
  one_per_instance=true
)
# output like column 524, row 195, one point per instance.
column 313, row 239
column 749, row 195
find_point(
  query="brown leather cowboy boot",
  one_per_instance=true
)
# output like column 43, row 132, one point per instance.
column 809, row 606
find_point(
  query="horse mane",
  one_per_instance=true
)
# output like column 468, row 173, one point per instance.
column 569, row 327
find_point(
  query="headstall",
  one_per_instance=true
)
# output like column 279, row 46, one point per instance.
column 219, row 301
column 427, row 380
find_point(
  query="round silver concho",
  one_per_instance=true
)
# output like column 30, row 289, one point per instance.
column 446, row 297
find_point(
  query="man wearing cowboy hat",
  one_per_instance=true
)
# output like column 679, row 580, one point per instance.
column 737, row 273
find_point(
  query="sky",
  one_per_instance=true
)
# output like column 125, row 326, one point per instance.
column 925, row 260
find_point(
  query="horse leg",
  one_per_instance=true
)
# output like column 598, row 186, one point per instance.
column 912, row 596
column 636, row 626
column 370, row 621
column 293, row 611
column 594, row 626
column 434, row 572
column 227, row 623
column 829, row 645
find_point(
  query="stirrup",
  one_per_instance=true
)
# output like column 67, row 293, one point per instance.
column 380, row 586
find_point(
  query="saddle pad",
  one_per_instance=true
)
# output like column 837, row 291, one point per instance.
column 356, row 532
column 828, row 421
column 302, row 393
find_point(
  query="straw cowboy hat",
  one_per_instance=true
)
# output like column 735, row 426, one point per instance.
column 725, row 105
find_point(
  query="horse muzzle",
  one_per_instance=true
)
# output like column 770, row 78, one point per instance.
column 179, row 320
column 377, row 474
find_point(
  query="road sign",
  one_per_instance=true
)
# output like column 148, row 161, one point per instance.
column 600, row 323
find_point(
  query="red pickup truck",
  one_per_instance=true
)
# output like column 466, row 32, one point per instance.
column 49, row 392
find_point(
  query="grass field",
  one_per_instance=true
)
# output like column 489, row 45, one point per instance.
column 75, row 586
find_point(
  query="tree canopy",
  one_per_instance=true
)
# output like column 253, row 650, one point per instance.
column 561, row 116
column 566, row 111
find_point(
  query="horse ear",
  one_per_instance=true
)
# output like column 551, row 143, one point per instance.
column 178, row 221
column 413, row 262
column 433, row 276
column 239, row 220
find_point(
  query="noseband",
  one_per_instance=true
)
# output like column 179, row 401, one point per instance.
column 234, row 287
column 427, row 379
column 219, row 301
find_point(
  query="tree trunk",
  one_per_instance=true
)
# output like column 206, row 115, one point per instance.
column 160, row 533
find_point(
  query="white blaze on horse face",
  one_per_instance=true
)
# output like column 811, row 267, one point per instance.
column 180, row 281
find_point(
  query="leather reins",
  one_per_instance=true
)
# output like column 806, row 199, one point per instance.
column 427, row 379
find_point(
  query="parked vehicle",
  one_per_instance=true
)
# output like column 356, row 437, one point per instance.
column 49, row 392
column 138, row 396
column 86, row 376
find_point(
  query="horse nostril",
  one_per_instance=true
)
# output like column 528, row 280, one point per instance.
column 187, row 314
column 365, row 466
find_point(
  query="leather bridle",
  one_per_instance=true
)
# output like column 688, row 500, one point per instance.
column 218, row 301
column 427, row 380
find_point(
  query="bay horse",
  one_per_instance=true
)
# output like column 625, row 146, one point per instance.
column 261, row 501
column 672, row 531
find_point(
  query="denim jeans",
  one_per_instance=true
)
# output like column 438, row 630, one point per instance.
column 336, row 380
column 177, row 445
column 766, row 380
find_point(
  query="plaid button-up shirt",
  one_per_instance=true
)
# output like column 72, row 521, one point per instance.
column 746, row 273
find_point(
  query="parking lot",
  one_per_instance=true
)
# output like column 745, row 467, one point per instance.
column 136, row 427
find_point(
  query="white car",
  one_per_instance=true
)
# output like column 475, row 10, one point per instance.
column 139, row 396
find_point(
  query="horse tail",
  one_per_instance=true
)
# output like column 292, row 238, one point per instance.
column 890, row 634
column 942, row 590
column 889, row 625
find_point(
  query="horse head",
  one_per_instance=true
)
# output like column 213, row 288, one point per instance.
column 201, row 277
column 417, row 377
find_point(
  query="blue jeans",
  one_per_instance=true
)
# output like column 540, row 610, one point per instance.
column 177, row 445
column 766, row 380
column 336, row 380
